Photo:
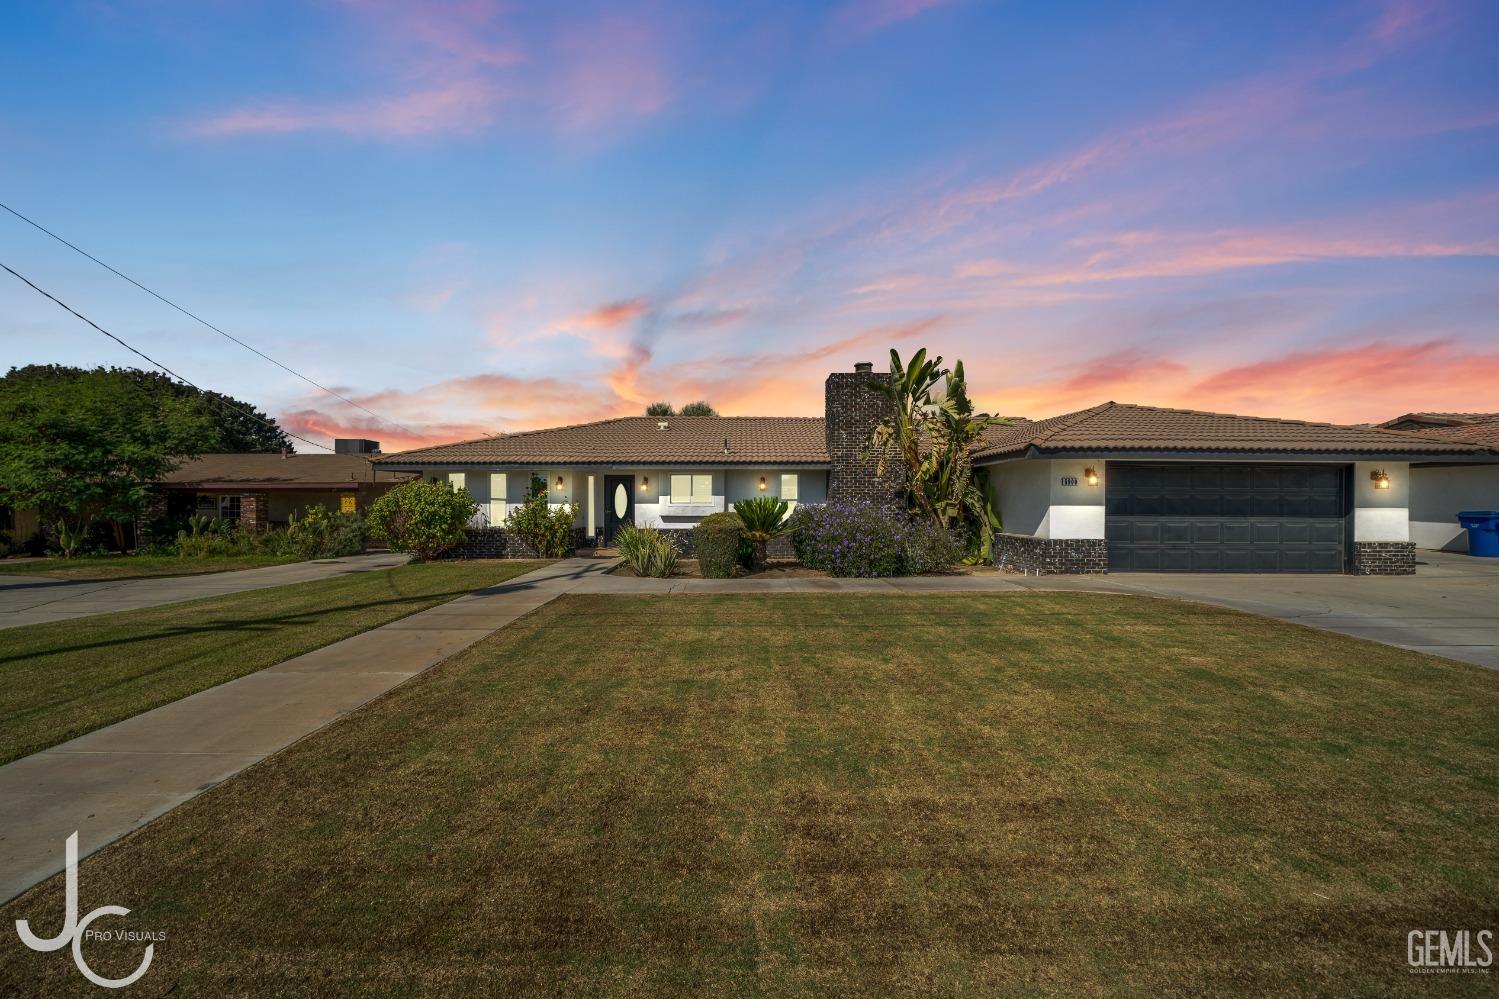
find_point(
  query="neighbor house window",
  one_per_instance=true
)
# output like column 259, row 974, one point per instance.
column 347, row 503
column 229, row 508
column 788, row 490
column 692, row 488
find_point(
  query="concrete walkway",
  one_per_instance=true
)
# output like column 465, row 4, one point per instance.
column 36, row 599
column 109, row 782
column 1450, row 608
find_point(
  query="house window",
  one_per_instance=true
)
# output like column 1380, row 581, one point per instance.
column 692, row 488
column 229, row 508
column 788, row 490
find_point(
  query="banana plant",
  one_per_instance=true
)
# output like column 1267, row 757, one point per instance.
column 930, row 435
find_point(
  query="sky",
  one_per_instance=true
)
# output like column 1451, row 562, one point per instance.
column 482, row 217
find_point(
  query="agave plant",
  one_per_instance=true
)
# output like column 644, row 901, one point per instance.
column 764, row 518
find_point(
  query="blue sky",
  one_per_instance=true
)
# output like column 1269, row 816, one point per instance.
column 481, row 217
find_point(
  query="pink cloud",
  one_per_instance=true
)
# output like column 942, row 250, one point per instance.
column 862, row 17
column 459, row 107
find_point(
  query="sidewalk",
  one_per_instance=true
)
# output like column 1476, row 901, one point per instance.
column 37, row 599
column 109, row 782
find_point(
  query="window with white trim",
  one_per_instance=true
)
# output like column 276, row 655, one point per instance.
column 788, row 490
column 691, row 488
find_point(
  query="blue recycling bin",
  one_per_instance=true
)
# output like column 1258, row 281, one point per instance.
column 1483, row 532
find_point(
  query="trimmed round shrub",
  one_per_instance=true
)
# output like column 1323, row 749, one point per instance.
column 423, row 518
column 719, row 541
column 858, row 539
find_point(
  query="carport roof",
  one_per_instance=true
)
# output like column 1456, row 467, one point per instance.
column 1118, row 426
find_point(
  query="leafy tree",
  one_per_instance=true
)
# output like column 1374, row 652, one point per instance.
column 235, row 429
column 699, row 408
column 77, row 445
column 930, row 434
column 660, row 409
column 423, row 518
column 549, row 532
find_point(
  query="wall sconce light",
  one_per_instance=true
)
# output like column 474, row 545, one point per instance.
column 762, row 483
column 1090, row 476
column 645, row 483
column 1380, row 478
column 559, row 483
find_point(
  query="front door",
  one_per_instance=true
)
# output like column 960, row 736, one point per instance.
column 619, row 505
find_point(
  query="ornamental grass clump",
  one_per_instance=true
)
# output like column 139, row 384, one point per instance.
column 647, row 550
column 859, row 539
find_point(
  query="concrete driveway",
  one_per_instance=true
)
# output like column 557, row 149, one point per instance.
column 1450, row 608
column 35, row 599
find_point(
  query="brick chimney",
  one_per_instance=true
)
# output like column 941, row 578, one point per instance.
column 853, row 409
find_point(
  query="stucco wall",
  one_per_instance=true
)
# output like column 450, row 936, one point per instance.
column 1033, row 500
column 1437, row 494
column 653, row 508
column 1381, row 515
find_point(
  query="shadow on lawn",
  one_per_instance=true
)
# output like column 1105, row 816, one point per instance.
column 258, row 624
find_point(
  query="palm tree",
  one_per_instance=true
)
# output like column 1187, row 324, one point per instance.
column 764, row 518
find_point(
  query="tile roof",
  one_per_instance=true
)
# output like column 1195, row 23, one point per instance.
column 1443, row 418
column 639, row 440
column 1116, row 426
column 273, row 469
column 1477, row 432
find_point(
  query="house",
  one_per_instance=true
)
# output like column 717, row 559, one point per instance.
column 1440, row 490
column 1115, row 487
column 261, row 490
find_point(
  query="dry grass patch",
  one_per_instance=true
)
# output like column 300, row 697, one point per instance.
column 842, row 794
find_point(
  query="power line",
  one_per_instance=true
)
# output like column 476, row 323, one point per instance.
column 155, row 363
column 196, row 318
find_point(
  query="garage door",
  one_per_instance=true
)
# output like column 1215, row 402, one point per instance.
column 1224, row 518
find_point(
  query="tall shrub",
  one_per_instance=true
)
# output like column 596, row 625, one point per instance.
column 320, row 533
column 549, row 532
column 719, row 541
column 423, row 518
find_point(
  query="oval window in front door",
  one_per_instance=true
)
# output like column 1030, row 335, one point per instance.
column 621, row 500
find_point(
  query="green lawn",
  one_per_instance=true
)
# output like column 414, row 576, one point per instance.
column 139, row 566
column 839, row 794
column 65, row 678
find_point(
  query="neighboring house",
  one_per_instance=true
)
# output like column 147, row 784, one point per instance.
column 1439, row 491
column 261, row 490
column 1129, row 488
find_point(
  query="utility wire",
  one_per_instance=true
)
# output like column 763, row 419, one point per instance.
column 155, row 363
column 196, row 318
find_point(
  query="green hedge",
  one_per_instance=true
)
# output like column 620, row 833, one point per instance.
column 718, row 541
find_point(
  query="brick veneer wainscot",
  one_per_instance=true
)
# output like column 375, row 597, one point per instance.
column 1384, row 558
column 496, row 542
column 1051, row 556
column 852, row 410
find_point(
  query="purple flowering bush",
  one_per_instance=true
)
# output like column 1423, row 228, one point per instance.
column 858, row 539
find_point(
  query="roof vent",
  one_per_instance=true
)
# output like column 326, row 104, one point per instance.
column 662, row 425
column 725, row 445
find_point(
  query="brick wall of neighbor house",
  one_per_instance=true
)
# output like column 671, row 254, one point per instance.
column 852, row 409
column 1384, row 558
column 254, row 511
column 1051, row 556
